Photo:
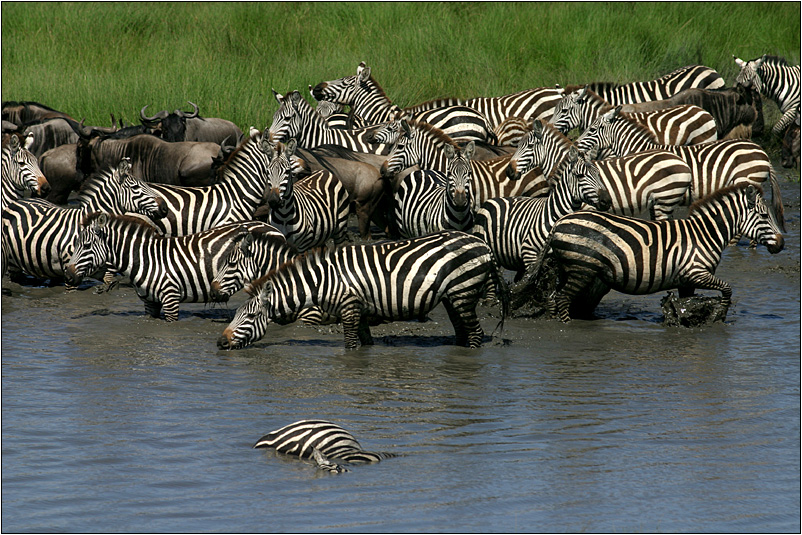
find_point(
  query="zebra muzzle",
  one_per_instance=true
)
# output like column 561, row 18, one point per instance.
column 317, row 91
column 44, row 186
column 216, row 293
column 72, row 276
column 777, row 245
column 512, row 171
column 224, row 342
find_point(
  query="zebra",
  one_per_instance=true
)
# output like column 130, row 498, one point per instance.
column 773, row 77
column 713, row 165
column 677, row 125
column 20, row 170
column 321, row 441
column 335, row 117
column 368, row 100
column 422, row 144
column 256, row 253
column 543, row 147
column 235, row 197
column 310, row 211
column 40, row 236
column 596, row 252
column 165, row 271
column 393, row 280
column 658, row 89
column 515, row 228
column 427, row 201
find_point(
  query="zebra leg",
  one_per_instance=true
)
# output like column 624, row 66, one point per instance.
column 152, row 308
column 170, row 303
column 365, row 338
column 463, row 316
column 707, row 281
column 354, row 329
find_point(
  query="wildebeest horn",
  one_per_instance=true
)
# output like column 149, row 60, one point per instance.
column 156, row 118
column 193, row 114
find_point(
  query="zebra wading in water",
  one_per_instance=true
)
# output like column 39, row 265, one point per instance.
column 713, row 165
column 321, row 441
column 772, row 77
column 596, row 252
column 515, row 228
column 428, row 202
column 20, row 171
column 308, row 211
column 368, row 100
column 165, row 271
column 677, row 125
column 39, row 236
column 424, row 145
column 658, row 89
column 393, row 281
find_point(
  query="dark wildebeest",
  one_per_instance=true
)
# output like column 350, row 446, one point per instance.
column 20, row 113
column 731, row 107
column 790, row 151
column 188, row 126
column 186, row 163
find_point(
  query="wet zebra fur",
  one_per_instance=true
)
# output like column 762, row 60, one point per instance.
column 393, row 281
column 773, row 77
column 596, row 252
column 658, row 89
column 165, row 271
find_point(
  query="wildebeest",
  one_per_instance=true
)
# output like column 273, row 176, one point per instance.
column 59, row 167
column 186, row 163
column 790, row 150
column 189, row 126
column 20, row 113
column 731, row 107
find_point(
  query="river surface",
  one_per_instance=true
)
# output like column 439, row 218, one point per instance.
column 116, row 422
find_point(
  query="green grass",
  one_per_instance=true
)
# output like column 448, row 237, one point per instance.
column 92, row 59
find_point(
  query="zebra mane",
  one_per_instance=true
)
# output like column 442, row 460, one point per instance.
column 596, row 87
column 254, row 287
column 563, row 140
column 236, row 151
column 638, row 127
column 379, row 89
column 123, row 219
column 719, row 194
column 432, row 131
column 778, row 61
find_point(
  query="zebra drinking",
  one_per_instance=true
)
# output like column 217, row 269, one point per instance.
column 773, row 77
column 597, row 252
column 393, row 281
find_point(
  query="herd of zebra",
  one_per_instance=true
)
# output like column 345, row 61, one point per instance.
column 458, row 190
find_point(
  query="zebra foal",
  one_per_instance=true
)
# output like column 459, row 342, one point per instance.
column 393, row 281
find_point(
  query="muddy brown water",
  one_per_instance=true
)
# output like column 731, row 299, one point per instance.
column 112, row 421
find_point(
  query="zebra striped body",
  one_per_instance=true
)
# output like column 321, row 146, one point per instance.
column 634, row 256
column 40, row 236
column 309, row 211
column 392, row 281
column 428, row 202
column 368, row 100
column 302, row 437
column 677, row 125
column 773, row 77
column 713, row 165
column 515, row 228
column 20, row 171
column 659, row 89
column 423, row 145
column 165, row 271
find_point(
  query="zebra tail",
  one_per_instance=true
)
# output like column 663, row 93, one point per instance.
column 503, row 295
column 492, row 138
column 776, row 198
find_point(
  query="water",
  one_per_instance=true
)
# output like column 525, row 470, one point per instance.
column 116, row 422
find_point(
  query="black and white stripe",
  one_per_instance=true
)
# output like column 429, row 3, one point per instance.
column 308, row 211
column 165, row 271
column 597, row 252
column 658, row 89
column 773, row 77
column 677, row 125
column 20, row 170
column 392, row 281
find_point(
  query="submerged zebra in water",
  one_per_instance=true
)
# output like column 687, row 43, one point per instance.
column 321, row 441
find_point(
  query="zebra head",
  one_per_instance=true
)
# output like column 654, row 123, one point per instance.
column 405, row 153
column 344, row 90
column 583, row 182
column 386, row 133
column 278, row 190
column 90, row 250
column 133, row 195
column 568, row 111
column 530, row 152
column 458, row 176
column 20, row 167
column 287, row 119
column 749, row 75
column 759, row 221
column 251, row 320
column 238, row 267
column 601, row 134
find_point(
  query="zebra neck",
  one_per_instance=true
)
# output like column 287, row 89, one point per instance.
column 717, row 223
column 560, row 202
column 373, row 106
column 556, row 149
column 773, row 87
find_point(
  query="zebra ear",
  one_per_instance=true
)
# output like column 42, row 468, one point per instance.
column 759, row 62
column 593, row 153
column 582, row 94
column 537, row 128
column 290, row 146
column 253, row 133
column 405, row 127
column 616, row 112
column 279, row 98
column 264, row 293
column 245, row 243
column 739, row 61
column 448, row 150
column 123, row 168
column 295, row 97
column 101, row 220
column 469, row 150
column 267, row 148
column 363, row 72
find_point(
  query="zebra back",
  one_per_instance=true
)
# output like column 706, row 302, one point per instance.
column 536, row 103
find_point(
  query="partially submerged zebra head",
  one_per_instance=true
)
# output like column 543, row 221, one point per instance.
column 568, row 111
column 20, row 168
column 583, row 182
column 343, row 90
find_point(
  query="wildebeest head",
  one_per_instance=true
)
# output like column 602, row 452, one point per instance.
column 173, row 126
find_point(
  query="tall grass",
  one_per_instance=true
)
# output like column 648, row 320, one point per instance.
column 92, row 59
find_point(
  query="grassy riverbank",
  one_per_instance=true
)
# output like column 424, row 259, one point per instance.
column 91, row 59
